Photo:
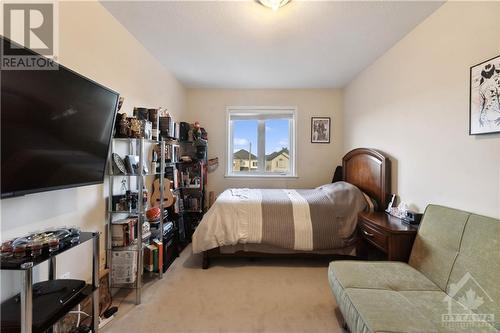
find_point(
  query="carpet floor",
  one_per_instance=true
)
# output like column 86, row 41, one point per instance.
column 234, row 295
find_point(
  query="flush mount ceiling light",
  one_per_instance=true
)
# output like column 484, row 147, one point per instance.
column 273, row 4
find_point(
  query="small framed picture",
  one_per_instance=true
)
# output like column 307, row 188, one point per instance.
column 484, row 105
column 320, row 130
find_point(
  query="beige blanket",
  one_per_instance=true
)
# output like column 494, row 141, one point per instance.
column 309, row 220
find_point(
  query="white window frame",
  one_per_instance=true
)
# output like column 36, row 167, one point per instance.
column 256, row 110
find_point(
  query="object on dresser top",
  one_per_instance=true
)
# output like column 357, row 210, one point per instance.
column 391, row 203
column 402, row 212
column 412, row 218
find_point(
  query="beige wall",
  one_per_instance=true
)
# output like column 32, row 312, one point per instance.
column 315, row 162
column 94, row 44
column 413, row 104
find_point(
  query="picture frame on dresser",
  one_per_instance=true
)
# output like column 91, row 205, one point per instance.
column 484, row 97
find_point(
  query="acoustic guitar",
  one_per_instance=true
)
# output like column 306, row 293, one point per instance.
column 169, row 198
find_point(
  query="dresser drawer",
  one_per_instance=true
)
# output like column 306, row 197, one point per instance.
column 374, row 236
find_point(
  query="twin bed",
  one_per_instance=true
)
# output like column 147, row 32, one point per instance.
column 286, row 222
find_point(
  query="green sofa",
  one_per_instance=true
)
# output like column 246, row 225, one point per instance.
column 451, row 283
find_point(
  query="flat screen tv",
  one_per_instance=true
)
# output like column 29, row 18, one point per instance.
column 56, row 129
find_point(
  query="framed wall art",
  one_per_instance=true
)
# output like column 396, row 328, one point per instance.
column 320, row 130
column 484, row 103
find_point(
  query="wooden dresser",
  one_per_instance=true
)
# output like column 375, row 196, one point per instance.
column 387, row 233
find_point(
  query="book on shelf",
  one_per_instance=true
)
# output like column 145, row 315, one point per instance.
column 123, row 232
column 153, row 256
column 159, row 245
column 155, row 260
column 149, row 254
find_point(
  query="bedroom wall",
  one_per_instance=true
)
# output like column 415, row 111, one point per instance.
column 94, row 44
column 413, row 103
column 315, row 162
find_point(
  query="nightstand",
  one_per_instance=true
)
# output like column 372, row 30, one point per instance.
column 387, row 233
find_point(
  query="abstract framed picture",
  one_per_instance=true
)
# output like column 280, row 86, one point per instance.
column 484, row 102
column 320, row 130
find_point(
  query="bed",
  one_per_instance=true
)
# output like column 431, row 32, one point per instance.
column 287, row 222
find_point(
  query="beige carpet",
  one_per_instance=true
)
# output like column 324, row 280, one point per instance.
column 234, row 295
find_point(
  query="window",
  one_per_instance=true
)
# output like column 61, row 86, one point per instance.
column 261, row 141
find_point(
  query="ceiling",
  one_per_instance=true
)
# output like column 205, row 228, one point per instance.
column 241, row 44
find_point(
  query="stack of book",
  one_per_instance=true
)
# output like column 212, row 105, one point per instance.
column 153, row 256
column 124, row 232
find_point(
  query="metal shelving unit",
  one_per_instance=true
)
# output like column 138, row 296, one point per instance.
column 135, row 147
column 192, row 216
column 28, row 313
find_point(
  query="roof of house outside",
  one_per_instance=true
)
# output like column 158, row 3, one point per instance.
column 242, row 154
column 275, row 154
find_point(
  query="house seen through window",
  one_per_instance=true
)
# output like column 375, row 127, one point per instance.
column 261, row 142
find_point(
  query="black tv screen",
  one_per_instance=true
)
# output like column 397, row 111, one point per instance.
column 56, row 128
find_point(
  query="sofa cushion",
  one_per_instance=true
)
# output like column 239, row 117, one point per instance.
column 379, row 275
column 376, row 307
column 436, row 307
column 437, row 243
column 363, row 312
column 477, row 267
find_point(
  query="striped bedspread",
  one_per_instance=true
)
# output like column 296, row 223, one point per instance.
column 316, row 219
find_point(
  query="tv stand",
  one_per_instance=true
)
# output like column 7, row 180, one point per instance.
column 30, row 320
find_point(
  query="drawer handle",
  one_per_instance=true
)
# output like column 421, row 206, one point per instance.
column 368, row 234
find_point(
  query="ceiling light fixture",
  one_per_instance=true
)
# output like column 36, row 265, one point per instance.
column 274, row 4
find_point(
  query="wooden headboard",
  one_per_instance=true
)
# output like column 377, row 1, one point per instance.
column 370, row 171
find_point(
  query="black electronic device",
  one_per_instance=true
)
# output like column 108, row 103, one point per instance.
column 50, row 298
column 412, row 218
column 56, row 126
